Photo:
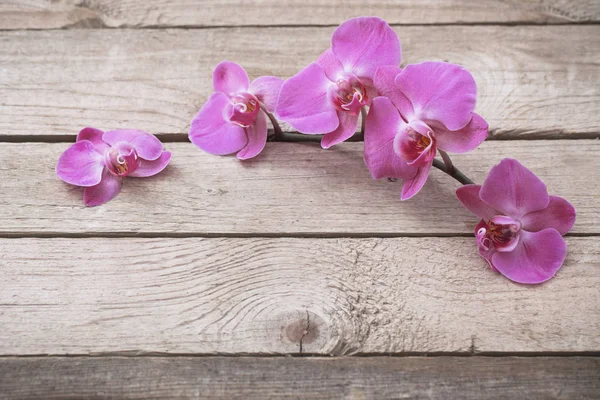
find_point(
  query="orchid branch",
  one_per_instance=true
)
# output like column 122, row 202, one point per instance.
column 278, row 133
column 447, row 160
column 453, row 172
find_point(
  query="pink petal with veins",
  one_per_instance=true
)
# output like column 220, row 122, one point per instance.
column 438, row 92
column 230, row 78
column 383, row 122
column 344, row 131
column 147, row 146
column 462, row 140
column 304, row 102
column 266, row 89
column 514, row 190
column 535, row 259
column 81, row 164
column 212, row 132
column 560, row 215
column 362, row 44
column 106, row 190
column 257, row 138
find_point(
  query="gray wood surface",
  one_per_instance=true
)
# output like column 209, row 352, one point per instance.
column 444, row 378
column 48, row 14
column 291, row 253
column 287, row 296
column 290, row 189
column 533, row 81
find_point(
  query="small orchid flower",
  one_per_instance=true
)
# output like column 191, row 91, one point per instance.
column 427, row 107
column 520, row 230
column 327, row 96
column 234, row 119
column 100, row 160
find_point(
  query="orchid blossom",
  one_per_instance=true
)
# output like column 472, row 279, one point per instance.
column 100, row 160
column 427, row 107
column 234, row 119
column 521, row 227
column 327, row 96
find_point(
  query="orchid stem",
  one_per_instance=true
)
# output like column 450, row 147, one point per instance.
column 277, row 132
column 454, row 172
column 447, row 161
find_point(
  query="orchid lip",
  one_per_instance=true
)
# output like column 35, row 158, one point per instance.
column 245, row 108
column 349, row 94
column 121, row 164
column 414, row 148
column 500, row 233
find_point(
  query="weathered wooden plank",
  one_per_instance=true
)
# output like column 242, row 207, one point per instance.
column 212, row 378
column 286, row 295
column 291, row 189
column 533, row 81
column 46, row 14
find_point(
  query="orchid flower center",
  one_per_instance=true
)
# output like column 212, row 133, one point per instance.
column 121, row 160
column 500, row 233
column 349, row 94
column 245, row 109
column 412, row 146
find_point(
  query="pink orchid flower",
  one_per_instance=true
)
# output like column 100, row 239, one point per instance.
column 427, row 106
column 100, row 160
column 521, row 227
column 233, row 119
column 327, row 96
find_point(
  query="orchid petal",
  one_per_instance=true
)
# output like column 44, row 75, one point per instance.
column 468, row 195
column 385, row 83
column 383, row 123
column 150, row 168
column 345, row 130
column 462, row 140
column 560, row 215
column 331, row 65
column 536, row 258
column 80, row 164
column 412, row 186
column 266, row 89
column 514, row 190
column 440, row 92
column 106, row 190
column 95, row 136
column 229, row 78
column 212, row 132
column 304, row 102
column 146, row 146
column 362, row 44
column 257, row 137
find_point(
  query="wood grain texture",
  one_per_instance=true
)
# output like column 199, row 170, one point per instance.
column 534, row 81
column 48, row 14
column 445, row 378
column 287, row 296
column 290, row 189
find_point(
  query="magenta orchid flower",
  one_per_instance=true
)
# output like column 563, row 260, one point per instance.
column 100, row 160
column 327, row 96
column 233, row 119
column 427, row 106
column 521, row 227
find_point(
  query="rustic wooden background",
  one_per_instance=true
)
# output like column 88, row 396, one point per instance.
column 198, row 282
